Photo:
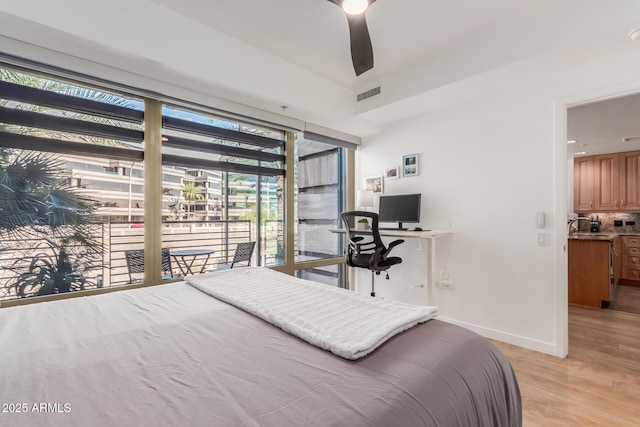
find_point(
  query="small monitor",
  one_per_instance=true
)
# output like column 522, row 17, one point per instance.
column 400, row 208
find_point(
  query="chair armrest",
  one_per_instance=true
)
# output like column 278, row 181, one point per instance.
column 394, row 244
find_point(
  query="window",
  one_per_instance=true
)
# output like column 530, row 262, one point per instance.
column 231, row 190
column 61, row 145
column 329, row 274
column 320, row 198
column 77, row 152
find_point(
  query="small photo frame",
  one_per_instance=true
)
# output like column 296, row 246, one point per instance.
column 410, row 166
column 392, row 173
column 374, row 183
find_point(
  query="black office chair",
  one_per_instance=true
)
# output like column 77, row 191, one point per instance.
column 364, row 246
column 135, row 264
column 243, row 254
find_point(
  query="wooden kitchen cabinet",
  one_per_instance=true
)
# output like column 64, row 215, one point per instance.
column 607, row 183
column 630, row 181
column 583, row 184
column 590, row 272
column 631, row 260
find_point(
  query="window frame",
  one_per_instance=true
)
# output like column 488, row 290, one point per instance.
column 153, row 142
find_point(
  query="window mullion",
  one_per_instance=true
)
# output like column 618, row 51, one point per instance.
column 153, row 191
column 289, row 217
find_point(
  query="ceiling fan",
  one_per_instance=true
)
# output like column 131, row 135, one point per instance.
column 361, row 49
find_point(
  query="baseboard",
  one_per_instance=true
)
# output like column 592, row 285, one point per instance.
column 520, row 341
column 629, row 282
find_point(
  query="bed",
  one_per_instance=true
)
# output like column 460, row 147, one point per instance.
column 172, row 355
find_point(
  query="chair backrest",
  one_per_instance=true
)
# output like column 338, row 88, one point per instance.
column 166, row 262
column 243, row 253
column 365, row 248
column 135, row 262
column 358, row 241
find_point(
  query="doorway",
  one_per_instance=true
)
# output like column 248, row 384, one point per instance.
column 605, row 136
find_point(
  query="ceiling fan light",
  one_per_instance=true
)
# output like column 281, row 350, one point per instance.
column 355, row 7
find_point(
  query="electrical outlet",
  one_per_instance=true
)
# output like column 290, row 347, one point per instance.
column 445, row 285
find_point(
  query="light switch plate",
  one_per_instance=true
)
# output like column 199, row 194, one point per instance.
column 542, row 239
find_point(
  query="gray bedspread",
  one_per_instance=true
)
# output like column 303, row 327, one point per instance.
column 172, row 356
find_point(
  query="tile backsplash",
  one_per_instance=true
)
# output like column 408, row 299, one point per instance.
column 607, row 222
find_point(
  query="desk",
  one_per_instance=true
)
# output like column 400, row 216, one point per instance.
column 430, row 236
column 186, row 257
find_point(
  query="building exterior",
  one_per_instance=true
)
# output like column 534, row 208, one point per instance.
column 119, row 188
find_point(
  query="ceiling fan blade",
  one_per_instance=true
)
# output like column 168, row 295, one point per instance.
column 361, row 48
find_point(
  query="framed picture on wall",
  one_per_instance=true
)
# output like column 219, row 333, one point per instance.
column 410, row 166
column 374, row 183
column 392, row 173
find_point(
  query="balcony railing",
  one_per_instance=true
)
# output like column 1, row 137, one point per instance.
column 219, row 236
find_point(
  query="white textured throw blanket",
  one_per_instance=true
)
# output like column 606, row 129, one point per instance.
column 348, row 324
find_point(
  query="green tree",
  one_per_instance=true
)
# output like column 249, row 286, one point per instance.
column 37, row 203
column 191, row 192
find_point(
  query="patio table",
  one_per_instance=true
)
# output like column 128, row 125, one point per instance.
column 185, row 259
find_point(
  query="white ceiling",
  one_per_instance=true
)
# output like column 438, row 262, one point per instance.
column 267, row 54
column 314, row 34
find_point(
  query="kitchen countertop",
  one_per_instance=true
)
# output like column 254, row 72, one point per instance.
column 603, row 235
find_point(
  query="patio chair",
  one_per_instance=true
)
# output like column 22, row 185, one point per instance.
column 243, row 254
column 135, row 264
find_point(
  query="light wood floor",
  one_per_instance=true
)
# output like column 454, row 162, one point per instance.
column 598, row 384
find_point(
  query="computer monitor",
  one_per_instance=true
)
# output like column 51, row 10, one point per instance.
column 400, row 208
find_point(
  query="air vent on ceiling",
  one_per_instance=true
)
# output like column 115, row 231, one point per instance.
column 369, row 93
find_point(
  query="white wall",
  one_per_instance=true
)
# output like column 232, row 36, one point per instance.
column 487, row 166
